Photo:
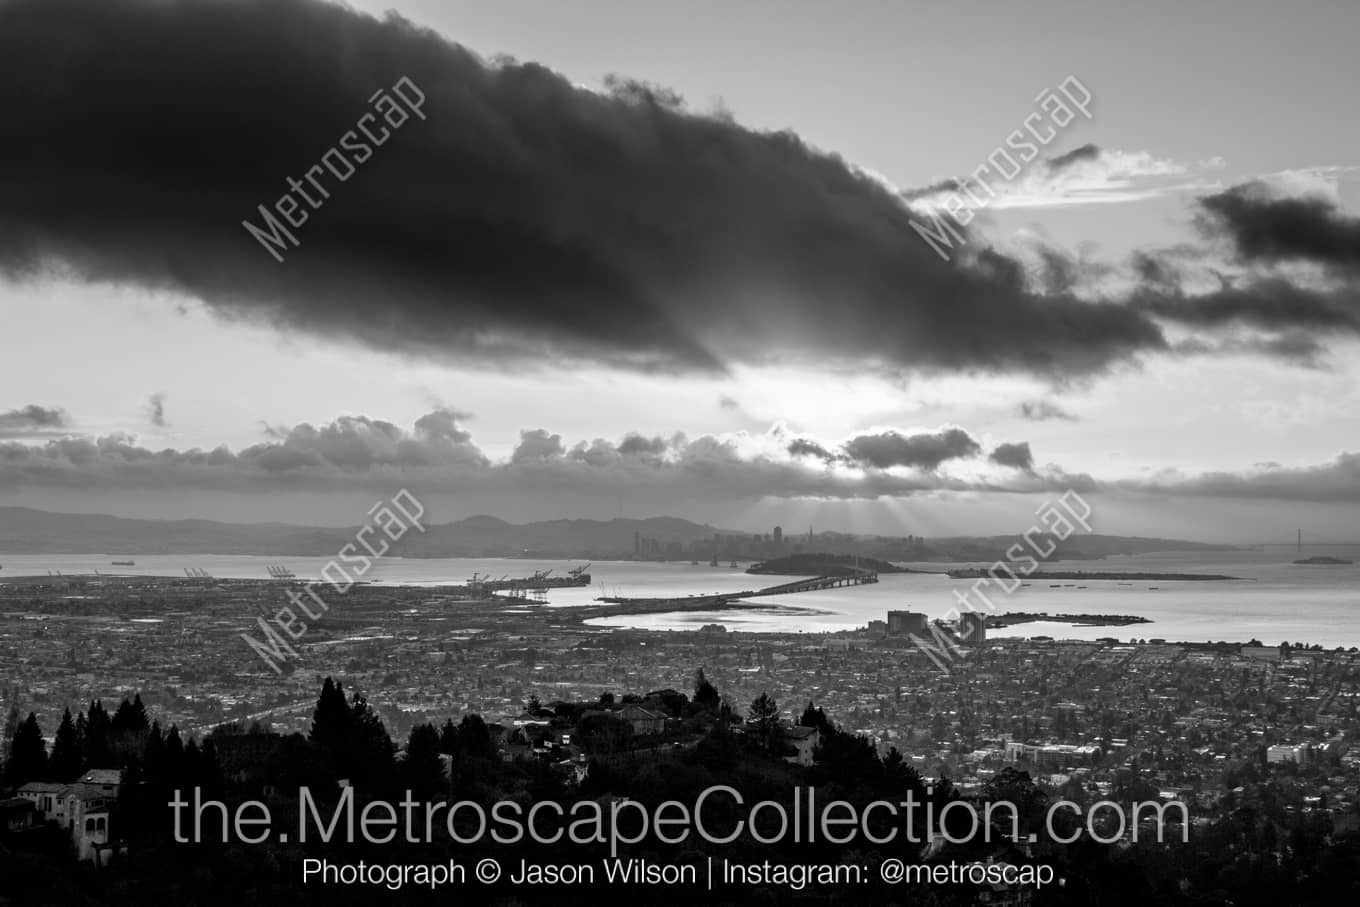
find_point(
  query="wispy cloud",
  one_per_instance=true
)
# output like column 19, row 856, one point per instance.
column 1043, row 411
column 155, row 410
column 1090, row 175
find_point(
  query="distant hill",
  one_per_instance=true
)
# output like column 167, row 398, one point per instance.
column 1074, row 548
column 27, row 531
column 490, row 537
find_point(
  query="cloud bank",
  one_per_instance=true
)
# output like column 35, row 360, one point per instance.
column 438, row 455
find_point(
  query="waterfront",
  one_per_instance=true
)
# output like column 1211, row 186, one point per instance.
column 1275, row 599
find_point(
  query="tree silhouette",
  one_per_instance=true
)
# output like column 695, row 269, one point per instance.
column 27, row 754
column 98, row 727
column 764, row 710
column 130, row 719
column 370, row 747
column 331, row 719
column 470, row 739
column 814, row 717
column 764, row 719
column 705, row 693
column 422, row 769
column 66, row 761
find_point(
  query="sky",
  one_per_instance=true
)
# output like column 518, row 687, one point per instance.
column 632, row 259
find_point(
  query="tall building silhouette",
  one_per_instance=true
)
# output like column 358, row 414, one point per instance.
column 903, row 623
column 973, row 628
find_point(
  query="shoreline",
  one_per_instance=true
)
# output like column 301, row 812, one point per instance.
column 370, row 604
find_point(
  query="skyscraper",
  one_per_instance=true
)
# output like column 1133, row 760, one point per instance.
column 973, row 628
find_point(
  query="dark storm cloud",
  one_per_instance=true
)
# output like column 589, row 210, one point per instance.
column 924, row 451
column 1256, row 309
column 1268, row 303
column 1270, row 230
column 1014, row 455
column 522, row 218
column 1291, row 320
column 1044, row 411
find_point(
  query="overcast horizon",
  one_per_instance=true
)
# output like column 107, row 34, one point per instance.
column 678, row 274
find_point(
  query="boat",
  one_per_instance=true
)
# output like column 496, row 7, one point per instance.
column 124, row 563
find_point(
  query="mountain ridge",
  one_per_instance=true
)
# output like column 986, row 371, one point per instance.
column 25, row 530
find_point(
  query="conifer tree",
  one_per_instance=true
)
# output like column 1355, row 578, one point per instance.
column 27, row 754
column 331, row 720
column 66, row 761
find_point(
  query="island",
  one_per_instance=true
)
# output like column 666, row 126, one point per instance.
column 980, row 572
column 1323, row 559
